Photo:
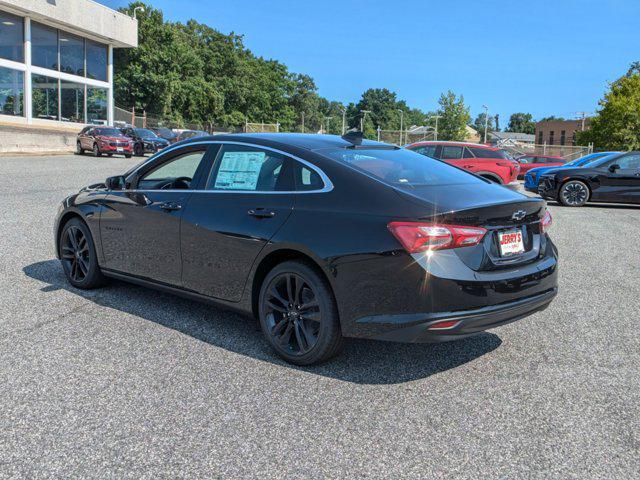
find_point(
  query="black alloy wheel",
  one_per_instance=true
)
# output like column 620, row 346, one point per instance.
column 298, row 314
column 79, row 149
column 78, row 255
column 96, row 150
column 574, row 194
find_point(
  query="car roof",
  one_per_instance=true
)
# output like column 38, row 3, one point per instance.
column 307, row 141
column 447, row 142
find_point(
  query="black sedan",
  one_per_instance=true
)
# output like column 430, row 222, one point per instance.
column 144, row 140
column 612, row 179
column 319, row 237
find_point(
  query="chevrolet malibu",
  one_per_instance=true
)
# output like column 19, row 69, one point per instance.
column 318, row 237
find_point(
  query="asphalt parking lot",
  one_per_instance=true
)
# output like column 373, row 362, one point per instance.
column 125, row 382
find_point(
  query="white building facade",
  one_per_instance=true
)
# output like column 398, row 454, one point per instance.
column 56, row 61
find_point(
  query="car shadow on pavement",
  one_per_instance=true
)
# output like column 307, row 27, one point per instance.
column 362, row 361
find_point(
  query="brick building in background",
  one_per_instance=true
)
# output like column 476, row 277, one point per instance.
column 560, row 132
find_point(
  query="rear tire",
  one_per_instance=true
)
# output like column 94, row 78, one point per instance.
column 298, row 314
column 78, row 256
column 137, row 150
column 127, row 155
column 574, row 193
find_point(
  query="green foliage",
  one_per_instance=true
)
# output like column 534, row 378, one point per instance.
column 478, row 124
column 521, row 123
column 551, row 118
column 455, row 117
column 617, row 124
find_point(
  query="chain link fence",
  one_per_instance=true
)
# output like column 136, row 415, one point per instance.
column 568, row 152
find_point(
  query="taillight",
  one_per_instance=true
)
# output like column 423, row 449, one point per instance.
column 422, row 237
column 444, row 325
column 546, row 222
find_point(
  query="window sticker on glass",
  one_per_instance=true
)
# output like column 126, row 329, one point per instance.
column 239, row 170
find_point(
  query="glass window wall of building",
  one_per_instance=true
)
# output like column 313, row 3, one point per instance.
column 11, row 92
column 44, row 98
column 11, row 37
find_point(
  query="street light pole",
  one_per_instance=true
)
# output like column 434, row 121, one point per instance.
column 401, row 118
column 135, row 10
column 326, row 125
column 362, row 119
column 344, row 120
column 486, row 121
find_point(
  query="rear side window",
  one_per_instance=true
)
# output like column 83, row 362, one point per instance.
column 306, row 178
column 451, row 153
column 487, row 153
column 402, row 167
column 243, row 168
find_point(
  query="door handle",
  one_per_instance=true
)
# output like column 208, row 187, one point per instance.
column 468, row 166
column 261, row 213
column 170, row 206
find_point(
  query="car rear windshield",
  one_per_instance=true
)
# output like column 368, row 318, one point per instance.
column 110, row 132
column 401, row 167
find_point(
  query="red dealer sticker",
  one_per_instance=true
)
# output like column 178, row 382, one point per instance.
column 510, row 242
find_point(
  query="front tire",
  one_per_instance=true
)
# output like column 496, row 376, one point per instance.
column 574, row 193
column 96, row 150
column 298, row 314
column 78, row 256
column 79, row 149
column 137, row 150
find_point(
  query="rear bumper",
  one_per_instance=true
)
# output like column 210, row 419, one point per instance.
column 415, row 328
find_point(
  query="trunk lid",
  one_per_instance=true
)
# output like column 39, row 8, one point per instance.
column 496, row 208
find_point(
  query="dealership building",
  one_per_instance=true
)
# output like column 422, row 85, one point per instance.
column 56, row 64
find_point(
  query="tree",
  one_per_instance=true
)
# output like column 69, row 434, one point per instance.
column 551, row 118
column 478, row 124
column 616, row 125
column 454, row 117
column 521, row 123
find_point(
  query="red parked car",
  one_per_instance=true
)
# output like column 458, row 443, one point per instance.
column 527, row 162
column 488, row 162
column 107, row 140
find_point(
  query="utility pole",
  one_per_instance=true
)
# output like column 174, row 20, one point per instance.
column 326, row 126
column 584, row 117
column 436, row 130
column 486, row 121
column 362, row 119
column 302, row 122
column 401, row 118
column 344, row 120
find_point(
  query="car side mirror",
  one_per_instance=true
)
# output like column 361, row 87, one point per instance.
column 614, row 167
column 115, row 183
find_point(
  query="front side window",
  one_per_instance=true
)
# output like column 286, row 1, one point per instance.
column 44, row 46
column 175, row 174
column 402, row 167
column 71, row 54
column 11, row 37
column 629, row 162
column 71, row 102
column 44, row 97
column 11, row 92
column 451, row 153
column 96, row 61
column 243, row 168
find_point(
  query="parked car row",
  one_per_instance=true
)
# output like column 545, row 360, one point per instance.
column 129, row 141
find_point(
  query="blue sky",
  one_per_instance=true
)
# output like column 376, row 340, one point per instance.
column 546, row 57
